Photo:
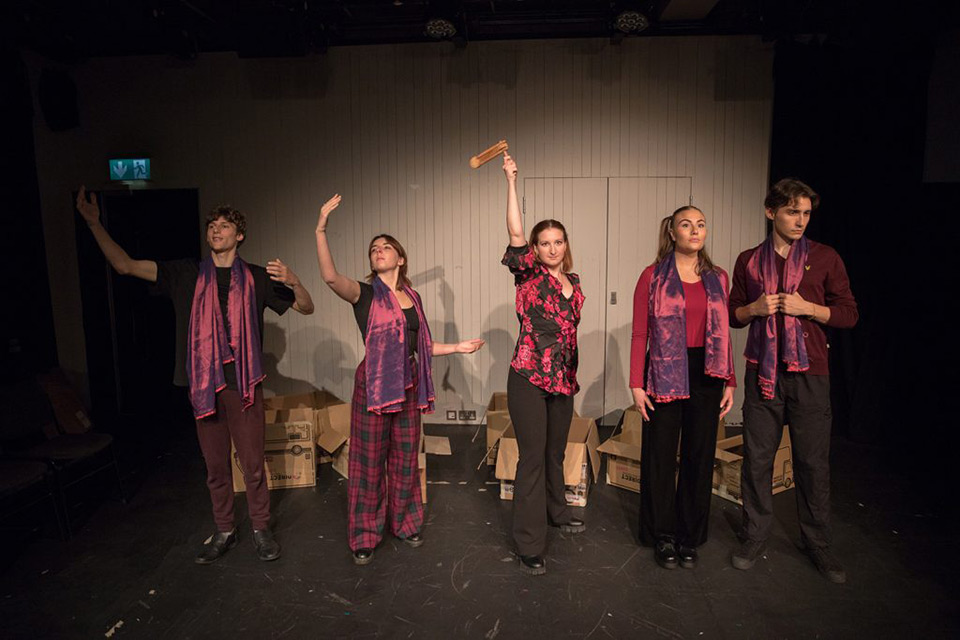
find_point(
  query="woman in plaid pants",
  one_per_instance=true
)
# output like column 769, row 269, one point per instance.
column 393, row 386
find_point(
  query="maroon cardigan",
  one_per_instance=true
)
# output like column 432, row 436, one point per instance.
column 824, row 282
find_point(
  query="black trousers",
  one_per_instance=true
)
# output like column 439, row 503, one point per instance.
column 803, row 402
column 541, row 421
column 678, row 508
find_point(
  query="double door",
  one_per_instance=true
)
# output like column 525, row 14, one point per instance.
column 613, row 225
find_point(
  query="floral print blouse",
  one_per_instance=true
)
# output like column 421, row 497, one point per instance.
column 546, row 352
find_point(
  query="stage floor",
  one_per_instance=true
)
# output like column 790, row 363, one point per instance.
column 129, row 571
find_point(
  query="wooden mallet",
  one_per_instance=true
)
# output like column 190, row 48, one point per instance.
column 488, row 154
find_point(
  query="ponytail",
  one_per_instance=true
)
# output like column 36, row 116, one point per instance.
column 666, row 243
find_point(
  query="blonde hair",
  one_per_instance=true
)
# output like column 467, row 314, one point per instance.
column 542, row 226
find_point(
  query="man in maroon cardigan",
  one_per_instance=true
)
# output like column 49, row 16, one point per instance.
column 792, row 384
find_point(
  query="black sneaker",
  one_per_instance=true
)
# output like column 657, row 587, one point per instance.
column 363, row 556
column 416, row 540
column 573, row 525
column 665, row 554
column 745, row 556
column 828, row 565
column 215, row 546
column 688, row 557
column 267, row 547
column 534, row 565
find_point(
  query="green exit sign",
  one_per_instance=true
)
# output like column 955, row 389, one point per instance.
column 130, row 169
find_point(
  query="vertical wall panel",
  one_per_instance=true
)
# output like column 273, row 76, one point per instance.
column 391, row 129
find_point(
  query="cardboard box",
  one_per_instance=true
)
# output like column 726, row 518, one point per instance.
column 498, row 401
column 334, row 438
column 317, row 402
column 581, row 462
column 67, row 407
column 729, row 461
column 497, row 424
column 289, row 452
column 623, row 459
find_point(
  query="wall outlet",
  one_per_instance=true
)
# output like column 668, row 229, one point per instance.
column 471, row 415
column 462, row 415
column 451, row 415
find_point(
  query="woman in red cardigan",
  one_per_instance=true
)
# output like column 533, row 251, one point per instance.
column 682, row 386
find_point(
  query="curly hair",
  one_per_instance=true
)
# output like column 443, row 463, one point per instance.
column 231, row 215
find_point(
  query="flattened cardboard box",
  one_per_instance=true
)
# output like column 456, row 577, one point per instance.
column 729, row 462
column 580, row 459
column 334, row 438
column 289, row 452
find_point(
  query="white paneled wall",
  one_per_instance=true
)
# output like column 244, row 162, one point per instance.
column 391, row 128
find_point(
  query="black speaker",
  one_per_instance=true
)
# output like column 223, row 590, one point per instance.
column 58, row 100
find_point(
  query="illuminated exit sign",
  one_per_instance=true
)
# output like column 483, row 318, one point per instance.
column 130, row 169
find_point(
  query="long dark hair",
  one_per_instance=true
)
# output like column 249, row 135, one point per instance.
column 542, row 226
column 403, row 279
column 667, row 245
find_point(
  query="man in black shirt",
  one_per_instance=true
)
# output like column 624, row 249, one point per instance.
column 212, row 358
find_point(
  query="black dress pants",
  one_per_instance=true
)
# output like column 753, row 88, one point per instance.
column 677, row 508
column 803, row 402
column 541, row 421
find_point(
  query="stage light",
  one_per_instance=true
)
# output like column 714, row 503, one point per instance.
column 440, row 28
column 631, row 22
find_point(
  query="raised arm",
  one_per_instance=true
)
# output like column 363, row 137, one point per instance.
column 114, row 253
column 343, row 286
column 514, row 219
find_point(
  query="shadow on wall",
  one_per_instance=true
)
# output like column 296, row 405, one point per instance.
column 275, row 346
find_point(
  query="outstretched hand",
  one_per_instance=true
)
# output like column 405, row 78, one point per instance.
column 509, row 167
column 469, row 346
column 326, row 210
column 89, row 209
column 279, row 272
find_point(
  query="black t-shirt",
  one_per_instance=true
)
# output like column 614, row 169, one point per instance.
column 361, row 311
column 177, row 280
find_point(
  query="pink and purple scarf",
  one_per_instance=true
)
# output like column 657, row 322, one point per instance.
column 388, row 365
column 209, row 348
column 763, row 342
column 668, row 377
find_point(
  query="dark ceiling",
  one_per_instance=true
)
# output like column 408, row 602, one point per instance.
column 77, row 29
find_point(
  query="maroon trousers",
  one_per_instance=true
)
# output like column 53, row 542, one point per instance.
column 246, row 428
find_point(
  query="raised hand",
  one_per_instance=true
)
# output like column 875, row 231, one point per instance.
column 509, row 167
column 469, row 346
column 326, row 210
column 279, row 272
column 89, row 209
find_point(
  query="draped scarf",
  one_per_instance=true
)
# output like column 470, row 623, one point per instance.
column 389, row 370
column 668, row 376
column 764, row 343
column 208, row 346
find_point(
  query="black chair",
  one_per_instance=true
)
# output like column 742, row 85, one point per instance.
column 29, row 431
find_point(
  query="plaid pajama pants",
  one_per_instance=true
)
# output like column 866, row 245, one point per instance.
column 384, row 478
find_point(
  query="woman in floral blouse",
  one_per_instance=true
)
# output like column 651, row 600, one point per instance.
column 543, row 375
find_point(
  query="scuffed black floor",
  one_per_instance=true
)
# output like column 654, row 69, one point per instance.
column 129, row 572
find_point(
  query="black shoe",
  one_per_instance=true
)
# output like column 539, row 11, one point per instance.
column 573, row 525
column 688, row 556
column 828, row 565
column 666, row 554
column 267, row 547
column 534, row 565
column 363, row 556
column 416, row 540
column 215, row 546
column 745, row 556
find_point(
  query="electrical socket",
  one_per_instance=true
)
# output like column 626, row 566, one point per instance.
column 451, row 415
column 471, row 415
column 462, row 415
